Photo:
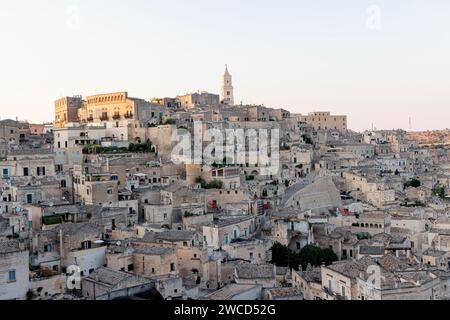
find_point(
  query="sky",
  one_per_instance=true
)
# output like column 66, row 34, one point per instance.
column 380, row 62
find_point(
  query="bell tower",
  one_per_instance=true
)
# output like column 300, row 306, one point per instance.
column 226, row 92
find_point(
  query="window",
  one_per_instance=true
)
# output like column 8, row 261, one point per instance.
column 48, row 248
column 5, row 172
column 25, row 172
column 29, row 198
column 109, row 191
column 86, row 245
column 235, row 233
column 40, row 171
column 12, row 276
column 343, row 291
column 130, row 267
column 172, row 267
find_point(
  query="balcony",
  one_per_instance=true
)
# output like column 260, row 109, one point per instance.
column 128, row 115
column 333, row 295
column 104, row 118
column 90, row 119
column 116, row 117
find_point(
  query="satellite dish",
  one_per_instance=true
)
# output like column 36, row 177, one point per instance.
column 119, row 243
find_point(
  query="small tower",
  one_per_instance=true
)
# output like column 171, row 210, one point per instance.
column 226, row 92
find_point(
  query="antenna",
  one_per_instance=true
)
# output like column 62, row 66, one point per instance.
column 410, row 124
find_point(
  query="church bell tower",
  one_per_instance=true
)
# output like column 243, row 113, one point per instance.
column 226, row 92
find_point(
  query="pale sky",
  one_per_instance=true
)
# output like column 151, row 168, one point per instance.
column 321, row 55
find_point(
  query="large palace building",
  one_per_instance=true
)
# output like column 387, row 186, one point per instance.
column 105, row 108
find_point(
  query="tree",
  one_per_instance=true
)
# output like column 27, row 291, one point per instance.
column 415, row 183
column 328, row 256
column 315, row 256
column 282, row 256
column 363, row 236
column 214, row 184
column 200, row 180
column 439, row 191
column 310, row 254
column 170, row 121
column 307, row 139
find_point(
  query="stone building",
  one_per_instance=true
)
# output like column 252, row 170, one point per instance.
column 81, row 244
column 14, row 272
column 155, row 261
column 309, row 282
column 107, row 284
column 325, row 120
column 262, row 274
column 118, row 106
column 320, row 196
column 192, row 100
column 66, row 110
column 228, row 230
column 95, row 188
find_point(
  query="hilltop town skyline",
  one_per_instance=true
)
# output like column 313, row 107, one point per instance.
column 378, row 64
column 224, row 158
column 408, row 123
